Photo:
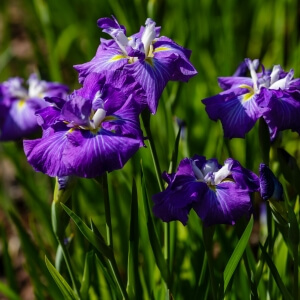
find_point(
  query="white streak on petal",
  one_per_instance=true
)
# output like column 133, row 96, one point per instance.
column 222, row 174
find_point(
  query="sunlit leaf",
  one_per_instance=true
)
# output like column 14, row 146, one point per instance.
column 237, row 254
column 65, row 289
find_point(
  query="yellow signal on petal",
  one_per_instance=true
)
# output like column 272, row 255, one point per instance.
column 21, row 103
column 249, row 95
column 158, row 49
column 117, row 57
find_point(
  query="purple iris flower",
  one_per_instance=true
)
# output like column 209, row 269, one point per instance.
column 151, row 59
column 271, row 94
column 95, row 130
column 18, row 105
column 218, row 194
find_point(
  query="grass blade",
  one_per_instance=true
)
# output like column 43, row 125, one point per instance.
column 8, row 292
column 153, row 236
column 89, row 234
column 133, row 284
column 274, row 272
column 65, row 289
column 237, row 254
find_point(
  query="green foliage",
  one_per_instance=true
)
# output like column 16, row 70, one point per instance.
column 141, row 257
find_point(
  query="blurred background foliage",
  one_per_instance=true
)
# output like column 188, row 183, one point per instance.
column 49, row 37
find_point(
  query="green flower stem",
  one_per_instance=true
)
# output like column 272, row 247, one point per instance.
column 208, row 233
column 201, row 278
column 167, row 243
column 59, row 224
column 296, row 273
column 146, row 122
column 112, row 261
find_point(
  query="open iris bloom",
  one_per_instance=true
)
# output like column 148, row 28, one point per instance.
column 218, row 194
column 151, row 59
column 18, row 105
column 273, row 95
column 96, row 130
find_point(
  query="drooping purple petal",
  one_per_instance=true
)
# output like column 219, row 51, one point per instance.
column 153, row 76
column 47, row 154
column 283, row 113
column 166, row 48
column 125, row 121
column 244, row 178
column 110, row 59
column 224, row 205
column 90, row 155
column 176, row 201
column 237, row 115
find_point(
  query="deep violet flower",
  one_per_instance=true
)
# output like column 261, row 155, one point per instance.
column 18, row 104
column 273, row 95
column 151, row 59
column 96, row 130
column 218, row 194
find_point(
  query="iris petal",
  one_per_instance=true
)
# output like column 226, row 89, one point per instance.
column 90, row 155
column 224, row 205
column 153, row 76
column 110, row 59
column 47, row 154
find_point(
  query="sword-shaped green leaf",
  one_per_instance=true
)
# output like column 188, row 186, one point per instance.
column 237, row 254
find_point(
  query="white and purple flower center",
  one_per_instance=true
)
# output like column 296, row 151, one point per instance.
column 210, row 173
column 270, row 81
column 134, row 47
column 36, row 89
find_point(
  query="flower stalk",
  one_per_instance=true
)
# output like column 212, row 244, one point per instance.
column 60, row 222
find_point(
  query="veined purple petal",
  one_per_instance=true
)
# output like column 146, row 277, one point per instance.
column 237, row 115
column 113, row 88
column 77, row 110
column 90, row 155
column 153, row 76
column 166, row 48
column 224, row 205
column 125, row 121
column 283, row 113
column 47, row 154
column 48, row 116
column 110, row 59
column 176, row 201
column 227, row 83
column 243, row 178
